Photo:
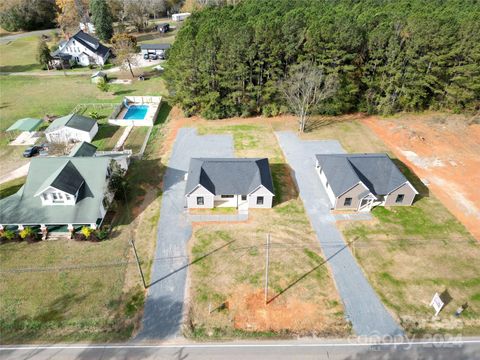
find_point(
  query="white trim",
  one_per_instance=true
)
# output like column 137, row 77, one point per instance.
column 196, row 188
column 258, row 187
column 406, row 182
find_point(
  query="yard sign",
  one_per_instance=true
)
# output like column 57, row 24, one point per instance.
column 437, row 303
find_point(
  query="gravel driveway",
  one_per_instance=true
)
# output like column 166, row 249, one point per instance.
column 362, row 305
column 163, row 312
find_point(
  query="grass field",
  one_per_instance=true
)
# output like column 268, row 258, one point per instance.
column 102, row 300
column 409, row 253
column 28, row 96
column 19, row 55
column 303, row 297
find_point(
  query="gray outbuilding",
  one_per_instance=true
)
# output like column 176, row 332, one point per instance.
column 359, row 182
column 229, row 182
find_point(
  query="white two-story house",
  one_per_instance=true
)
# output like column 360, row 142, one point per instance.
column 84, row 49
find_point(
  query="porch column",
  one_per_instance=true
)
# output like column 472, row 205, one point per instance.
column 20, row 227
column 1, row 227
column 43, row 229
column 93, row 226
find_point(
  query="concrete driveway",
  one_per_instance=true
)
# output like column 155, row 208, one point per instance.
column 164, row 308
column 362, row 305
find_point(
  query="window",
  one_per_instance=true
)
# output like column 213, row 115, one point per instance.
column 326, row 184
column 54, row 195
column 259, row 200
column 45, row 197
column 244, row 197
column 67, row 197
column 347, row 202
column 200, row 200
column 399, row 198
column 227, row 196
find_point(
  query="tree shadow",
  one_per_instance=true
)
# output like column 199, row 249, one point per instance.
column 283, row 183
column 123, row 92
column 143, row 175
column 163, row 113
column 105, row 131
column 315, row 124
column 20, row 68
column 422, row 189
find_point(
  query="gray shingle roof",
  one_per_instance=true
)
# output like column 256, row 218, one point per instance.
column 229, row 176
column 25, row 208
column 155, row 46
column 83, row 149
column 376, row 171
column 91, row 43
column 74, row 121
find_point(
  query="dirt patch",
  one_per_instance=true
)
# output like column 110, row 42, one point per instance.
column 286, row 314
column 443, row 151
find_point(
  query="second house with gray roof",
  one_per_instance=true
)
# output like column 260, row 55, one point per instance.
column 72, row 128
column 359, row 182
column 229, row 182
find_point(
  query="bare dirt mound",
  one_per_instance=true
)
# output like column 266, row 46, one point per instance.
column 443, row 150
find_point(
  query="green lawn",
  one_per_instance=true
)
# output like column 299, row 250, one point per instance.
column 102, row 301
column 136, row 138
column 19, row 55
column 11, row 187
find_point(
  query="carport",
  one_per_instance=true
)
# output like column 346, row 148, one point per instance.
column 27, row 128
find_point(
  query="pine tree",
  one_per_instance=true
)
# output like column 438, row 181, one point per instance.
column 102, row 19
column 43, row 54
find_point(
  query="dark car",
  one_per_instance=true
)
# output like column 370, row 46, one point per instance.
column 31, row 151
column 145, row 56
column 153, row 56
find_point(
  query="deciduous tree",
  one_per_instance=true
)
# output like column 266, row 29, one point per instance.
column 124, row 48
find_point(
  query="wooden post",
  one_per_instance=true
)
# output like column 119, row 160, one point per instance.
column 138, row 264
column 267, row 261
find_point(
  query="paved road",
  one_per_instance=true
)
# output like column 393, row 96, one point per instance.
column 278, row 350
column 164, row 305
column 362, row 305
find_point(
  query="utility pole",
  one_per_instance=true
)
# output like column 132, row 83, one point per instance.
column 267, row 260
column 138, row 263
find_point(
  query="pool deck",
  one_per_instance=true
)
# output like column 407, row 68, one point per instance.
column 150, row 116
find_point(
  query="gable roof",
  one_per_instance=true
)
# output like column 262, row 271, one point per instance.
column 66, row 179
column 74, row 121
column 155, row 46
column 376, row 171
column 83, row 149
column 229, row 176
column 91, row 43
column 25, row 208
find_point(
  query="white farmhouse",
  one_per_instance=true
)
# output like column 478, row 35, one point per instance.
column 72, row 128
column 84, row 49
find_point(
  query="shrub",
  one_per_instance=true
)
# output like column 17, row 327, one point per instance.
column 94, row 115
column 86, row 231
column 26, row 232
column 7, row 235
column 103, row 85
column 102, row 234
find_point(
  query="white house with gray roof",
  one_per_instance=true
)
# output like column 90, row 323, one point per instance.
column 359, row 182
column 72, row 128
column 84, row 49
column 229, row 182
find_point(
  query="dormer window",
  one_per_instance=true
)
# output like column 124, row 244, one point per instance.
column 73, row 42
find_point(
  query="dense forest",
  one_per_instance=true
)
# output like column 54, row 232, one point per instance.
column 387, row 55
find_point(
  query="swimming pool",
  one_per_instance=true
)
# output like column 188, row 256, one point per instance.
column 136, row 112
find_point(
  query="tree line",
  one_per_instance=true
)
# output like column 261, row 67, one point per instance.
column 384, row 55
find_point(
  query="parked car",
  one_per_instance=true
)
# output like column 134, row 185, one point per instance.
column 145, row 56
column 153, row 56
column 32, row 151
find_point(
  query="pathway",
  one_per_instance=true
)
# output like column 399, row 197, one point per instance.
column 163, row 311
column 15, row 174
column 362, row 305
column 123, row 138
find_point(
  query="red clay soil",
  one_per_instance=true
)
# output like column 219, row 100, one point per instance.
column 283, row 314
column 445, row 153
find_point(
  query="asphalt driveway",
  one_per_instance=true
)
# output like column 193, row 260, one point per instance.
column 163, row 311
column 362, row 305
